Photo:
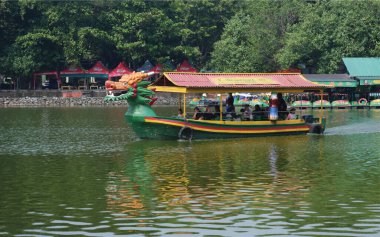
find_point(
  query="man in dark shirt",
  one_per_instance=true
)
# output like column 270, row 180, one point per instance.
column 208, row 115
column 230, row 103
column 282, row 106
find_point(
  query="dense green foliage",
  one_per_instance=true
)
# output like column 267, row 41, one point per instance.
column 330, row 30
column 312, row 35
column 221, row 35
column 50, row 35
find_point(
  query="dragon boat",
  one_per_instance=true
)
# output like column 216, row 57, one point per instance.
column 147, row 124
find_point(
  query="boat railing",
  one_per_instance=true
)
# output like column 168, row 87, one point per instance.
column 231, row 116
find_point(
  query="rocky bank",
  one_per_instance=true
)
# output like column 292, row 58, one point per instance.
column 45, row 100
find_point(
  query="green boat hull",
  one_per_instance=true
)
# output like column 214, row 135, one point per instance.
column 174, row 128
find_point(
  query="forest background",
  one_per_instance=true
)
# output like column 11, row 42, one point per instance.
column 215, row 35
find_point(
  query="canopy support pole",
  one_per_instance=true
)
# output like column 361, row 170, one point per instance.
column 179, row 101
column 184, row 103
column 220, row 107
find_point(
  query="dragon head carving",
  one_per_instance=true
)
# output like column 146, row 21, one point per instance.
column 132, row 88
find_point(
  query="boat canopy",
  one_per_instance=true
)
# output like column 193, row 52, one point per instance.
column 180, row 82
column 335, row 80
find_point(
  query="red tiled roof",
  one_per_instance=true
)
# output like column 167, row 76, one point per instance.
column 238, row 80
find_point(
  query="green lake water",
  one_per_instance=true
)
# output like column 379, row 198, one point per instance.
column 82, row 172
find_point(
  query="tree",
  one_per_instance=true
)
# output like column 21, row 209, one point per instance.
column 330, row 30
column 253, row 37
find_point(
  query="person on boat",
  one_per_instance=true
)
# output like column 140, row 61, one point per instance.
column 231, row 114
column 208, row 115
column 217, row 112
column 292, row 114
column 230, row 103
column 282, row 106
column 257, row 112
column 180, row 113
column 197, row 114
column 247, row 113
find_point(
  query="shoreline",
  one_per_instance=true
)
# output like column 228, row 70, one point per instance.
column 55, row 99
column 72, row 102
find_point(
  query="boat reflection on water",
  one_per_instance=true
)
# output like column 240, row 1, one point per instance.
column 266, row 185
column 210, row 175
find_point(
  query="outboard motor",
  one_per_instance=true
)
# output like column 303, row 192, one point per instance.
column 314, row 127
column 308, row 118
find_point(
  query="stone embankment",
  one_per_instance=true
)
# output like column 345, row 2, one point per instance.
column 53, row 100
column 81, row 101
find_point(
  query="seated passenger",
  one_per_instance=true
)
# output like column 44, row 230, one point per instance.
column 230, row 112
column 208, row 115
column 247, row 114
column 257, row 113
column 292, row 114
column 217, row 112
column 257, row 108
column 180, row 113
column 198, row 115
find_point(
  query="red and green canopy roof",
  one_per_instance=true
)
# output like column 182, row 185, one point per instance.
column 186, row 67
column 120, row 70
column 234, row 82
column 156, row 69
column 73, row 71
column 98, row 70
